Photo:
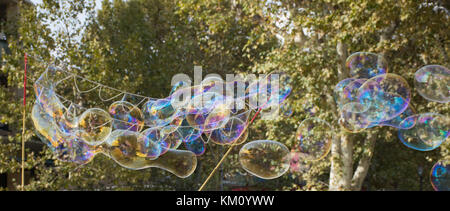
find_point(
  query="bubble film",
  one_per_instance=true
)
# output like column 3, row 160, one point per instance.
column 314, row 137
column 197, row 146
column 78, row 131
column 265, row 159
column 126, row 116
column 385, row 96
column 440, row 176
column 95, row 126
column 433, row 83
column 428, row 132
column 366, row 65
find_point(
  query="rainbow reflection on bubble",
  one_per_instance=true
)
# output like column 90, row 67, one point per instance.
column 440, row 176
column 366, row 65
column 428, row 132
column 433, row 83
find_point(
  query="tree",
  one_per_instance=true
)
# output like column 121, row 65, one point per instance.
column 138, row 45
column 408, row 34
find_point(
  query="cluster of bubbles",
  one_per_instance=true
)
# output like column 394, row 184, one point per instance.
column 150, row 135
column 373, row 97
column 370, row 97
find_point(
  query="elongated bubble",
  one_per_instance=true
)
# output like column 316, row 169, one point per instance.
column 265, row 159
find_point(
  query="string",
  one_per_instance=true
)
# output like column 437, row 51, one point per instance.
column 23, row 120
column 226, row 153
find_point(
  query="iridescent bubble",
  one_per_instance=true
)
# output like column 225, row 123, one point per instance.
column 265, row 159
column 171, row 136
column 428, row 132
column 314, row 138
column 337, row 92
column 181, row 163
column 398, row 121
column 366, row 65
column 45, row 126
column 95, row 126
column 149, row 119
column 126, row 116
column 385, row 96
column 161, row 112
column 440, row 176
column 197, row 146
column 187, row 132
column 154, row 135
column 350, row 93
column 74, row 150
column 231, row 132
column 208, row 111
column 354, row 117
column 127, row 147
column 270, row 90
column 433, row 83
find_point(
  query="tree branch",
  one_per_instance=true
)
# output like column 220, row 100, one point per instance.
column 364, row 163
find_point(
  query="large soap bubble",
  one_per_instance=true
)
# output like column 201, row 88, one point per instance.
column 433, row 83
column 126, row 116
column 265, row 159
column 366, row 65
column 314, row 138
column 95, row 126
column 385, row 96
column 428, row 132
column 440, row 176
column 126, row 147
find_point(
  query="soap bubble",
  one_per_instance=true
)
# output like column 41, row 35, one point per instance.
column 74, row 150
column 154, row 135
column 44, row 125
column 126, row 116
column 161, row 112
column 95, row 125
column 208, row 111
column 354, row 117
column 197, row 146
column 181, row 163
column 187, row 132
column 337, row 92
column 149, row 119
column 126, row 147
column 366, row 65
column 171, row 136
column 265, row 159
column 398, row 121
column 433, row 83
column 385, row 96
column 314, row 138
column 231, row 132
column 350, row 92
column 440, row 176
column 428, row 132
